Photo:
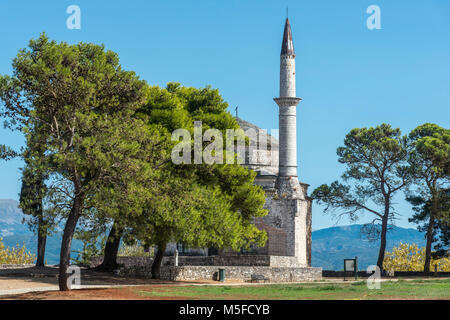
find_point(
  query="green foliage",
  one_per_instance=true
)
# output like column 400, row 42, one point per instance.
column 375, row 160
column 430, row 163
column 202, row 205
column 93, row 245
column 105, row 139
column 34, row 190
column 81, row 104
column 432, row 147
column 135, row 250
column 430, row 158
column 441, row 227
column 6, row 153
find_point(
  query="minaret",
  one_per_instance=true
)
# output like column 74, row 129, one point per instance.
column 287, row 103
column 290, row 208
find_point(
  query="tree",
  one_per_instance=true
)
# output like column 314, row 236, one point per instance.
column 430, row 163
column 204, row 204
column 31, row 202
column 375, row 160
column 6, row 153
column 443, row 225
column 441, row 220
column 409, row 257
column 188, row 218
column 84, row 104
column 33, row 193
column 92, row 244
column 197, row 216
column 111, row 249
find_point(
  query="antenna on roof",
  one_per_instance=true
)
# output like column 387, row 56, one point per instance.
column 287, row 12
column 236, row 109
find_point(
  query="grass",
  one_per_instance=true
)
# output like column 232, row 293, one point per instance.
column 415, row 289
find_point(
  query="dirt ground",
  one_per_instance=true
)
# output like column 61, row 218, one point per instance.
column 126, row 293
column 44, row 282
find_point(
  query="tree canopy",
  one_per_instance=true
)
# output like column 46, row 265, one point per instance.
column 83, row 103
column 430, row 163
column 375, row 160
column 203, row 204
column 98, row 149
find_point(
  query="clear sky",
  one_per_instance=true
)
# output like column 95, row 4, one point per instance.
column 348, row 76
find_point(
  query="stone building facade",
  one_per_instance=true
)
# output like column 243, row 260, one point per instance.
column 288, row 223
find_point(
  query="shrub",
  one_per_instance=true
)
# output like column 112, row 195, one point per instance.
column 135, row 250
column 15, row 255
column 409, row 257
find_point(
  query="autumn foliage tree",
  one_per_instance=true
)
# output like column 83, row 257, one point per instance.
column 15, row 255
column 409, row 257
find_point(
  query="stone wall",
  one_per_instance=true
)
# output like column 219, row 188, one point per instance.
column 309, row 231
column 364, row 274
column 276, row 240
column 233, row 273
column 15, row 266
column 171, row 247
column 245, row 273
column 275, row 268
column 289, row 214
column 219, row 260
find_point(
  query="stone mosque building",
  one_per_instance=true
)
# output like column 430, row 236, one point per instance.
column 288, row 223
column 286, row 257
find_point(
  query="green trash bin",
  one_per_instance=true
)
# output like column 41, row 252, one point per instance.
column 221, row 274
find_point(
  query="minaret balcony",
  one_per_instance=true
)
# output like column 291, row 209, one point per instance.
column 287, row 101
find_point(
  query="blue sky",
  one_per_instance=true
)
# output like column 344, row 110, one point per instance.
column 347, row 75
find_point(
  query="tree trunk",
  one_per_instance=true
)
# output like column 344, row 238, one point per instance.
column 156, row 266
column 42, row 240
column 66, row 243
column 426, row 267
column 384, row 226
column 111, row 249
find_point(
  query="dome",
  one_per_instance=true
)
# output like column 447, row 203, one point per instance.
column 261, row 155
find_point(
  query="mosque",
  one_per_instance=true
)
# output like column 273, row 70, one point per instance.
column 288, row 222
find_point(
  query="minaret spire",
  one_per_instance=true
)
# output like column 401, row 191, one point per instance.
column 287, row 103
column 287, row 47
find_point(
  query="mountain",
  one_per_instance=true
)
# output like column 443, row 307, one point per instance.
column 11, row 219
column 330, row 246
column 14, row 232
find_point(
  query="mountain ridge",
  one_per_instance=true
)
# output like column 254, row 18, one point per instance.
column 330, row 246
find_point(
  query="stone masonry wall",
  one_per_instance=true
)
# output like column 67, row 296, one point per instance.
column 245, row 273
column 234, row 273
column 234, row 260
column 15, row 266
